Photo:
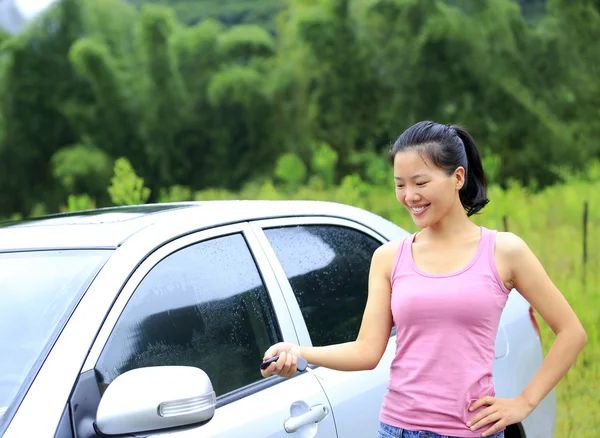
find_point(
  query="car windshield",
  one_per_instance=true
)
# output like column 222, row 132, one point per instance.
column 38, row 290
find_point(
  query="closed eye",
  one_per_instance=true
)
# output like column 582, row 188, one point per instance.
column 421, row 183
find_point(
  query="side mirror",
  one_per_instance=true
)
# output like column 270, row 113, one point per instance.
column 154, row 398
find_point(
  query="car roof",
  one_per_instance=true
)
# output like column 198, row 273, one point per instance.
column 110, row 227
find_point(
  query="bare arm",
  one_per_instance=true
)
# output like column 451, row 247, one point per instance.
column 531, row 280
column 522, row 270
column 364, row 353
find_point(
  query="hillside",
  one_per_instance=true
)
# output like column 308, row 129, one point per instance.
column 262, row 12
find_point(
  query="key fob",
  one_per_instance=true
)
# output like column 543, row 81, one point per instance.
column 300, row 366
column 268, row 362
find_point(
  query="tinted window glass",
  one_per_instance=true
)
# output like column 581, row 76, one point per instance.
column 328, row 268
column 203, row 306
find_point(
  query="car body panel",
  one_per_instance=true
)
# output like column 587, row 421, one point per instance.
column 263, row 413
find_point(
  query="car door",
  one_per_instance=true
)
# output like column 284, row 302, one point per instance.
column 322, row 265
column 208, row 300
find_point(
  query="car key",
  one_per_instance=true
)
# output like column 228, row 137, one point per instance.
column 301, row 365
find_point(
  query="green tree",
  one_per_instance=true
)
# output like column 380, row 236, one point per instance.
column 38, row 84
column 574, row 28
column 108, row 60
column 324, row 161
column 82, row 168
column 343, row 92
column 3, row 37
column 126, row 187
column 78, row 203
column 111, row 119
column 199, row 58
column 242, row 107
column 215, row 103
column 477, row 65
column 229, row 12
column 166, row 105
column 291, row 170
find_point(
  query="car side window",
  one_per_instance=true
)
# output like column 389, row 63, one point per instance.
column 204, row 306
column 328, row 269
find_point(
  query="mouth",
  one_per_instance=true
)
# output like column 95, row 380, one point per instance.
column 418, row 210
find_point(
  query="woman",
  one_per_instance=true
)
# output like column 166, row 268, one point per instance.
column 444, row 288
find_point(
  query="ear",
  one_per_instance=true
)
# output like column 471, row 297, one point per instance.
column 459, row 177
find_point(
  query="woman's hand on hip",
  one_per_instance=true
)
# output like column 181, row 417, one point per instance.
column 500, row 412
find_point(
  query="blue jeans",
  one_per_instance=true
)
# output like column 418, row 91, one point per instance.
column 387, row 431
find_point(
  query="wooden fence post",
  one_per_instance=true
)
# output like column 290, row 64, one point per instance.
column 585, row 238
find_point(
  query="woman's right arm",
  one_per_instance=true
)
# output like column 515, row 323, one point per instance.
column 366, row 351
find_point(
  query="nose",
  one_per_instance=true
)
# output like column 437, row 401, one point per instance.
column 411, row 195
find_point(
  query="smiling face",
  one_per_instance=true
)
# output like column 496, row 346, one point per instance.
column 427, row 191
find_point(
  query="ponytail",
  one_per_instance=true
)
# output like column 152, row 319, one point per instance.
column 473, row 195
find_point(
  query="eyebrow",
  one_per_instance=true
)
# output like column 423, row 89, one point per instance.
column 418, row 175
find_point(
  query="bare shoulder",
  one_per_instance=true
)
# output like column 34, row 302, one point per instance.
column 509, row 244
column 385, row 255
column 509, row 253
column 388, row 249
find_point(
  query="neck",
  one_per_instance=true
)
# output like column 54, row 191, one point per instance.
column 455, row 224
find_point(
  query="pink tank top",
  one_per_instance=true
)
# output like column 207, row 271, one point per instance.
column 446, row 327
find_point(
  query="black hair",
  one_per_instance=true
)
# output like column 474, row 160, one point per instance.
column 448, row 147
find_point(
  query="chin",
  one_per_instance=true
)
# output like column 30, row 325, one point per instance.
column 424, row 222
column 421, row 222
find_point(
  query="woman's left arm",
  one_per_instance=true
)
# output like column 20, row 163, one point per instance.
column 528, row 276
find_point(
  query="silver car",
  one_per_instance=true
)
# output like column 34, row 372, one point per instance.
column 152, row 321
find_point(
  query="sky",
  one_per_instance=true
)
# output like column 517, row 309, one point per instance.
column 30, row 8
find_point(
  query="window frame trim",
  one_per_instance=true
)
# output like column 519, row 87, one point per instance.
column 153, row 259
column 258, row 228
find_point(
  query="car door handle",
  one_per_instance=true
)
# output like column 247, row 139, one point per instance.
column 316, row 414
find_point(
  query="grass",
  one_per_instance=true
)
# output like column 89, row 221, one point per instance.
column 578, row 394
